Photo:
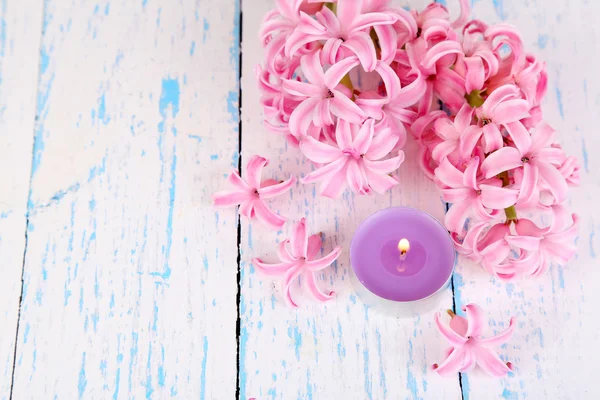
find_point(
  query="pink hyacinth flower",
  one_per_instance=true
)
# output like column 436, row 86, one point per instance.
column 544, row 245
column 502, row 108
column 488, row 247
column 323, row 97
column 346, row 33
column 533, row 153
column 297, row 256
column 356, row 158
column 469, row 347
column 468, row 193
column 250, row 194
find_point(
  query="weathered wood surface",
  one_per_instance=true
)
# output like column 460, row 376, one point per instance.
column 117, row 122
column 129, row 284
column 20, row 32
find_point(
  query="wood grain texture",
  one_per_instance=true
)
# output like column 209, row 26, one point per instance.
column 558, row 329
column 341, row 350
column 130, row 279
column 20, row 31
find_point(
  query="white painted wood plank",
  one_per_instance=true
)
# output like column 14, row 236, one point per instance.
column 20, row 31
column 557, row 337
column 341, row 350
column 130, row 274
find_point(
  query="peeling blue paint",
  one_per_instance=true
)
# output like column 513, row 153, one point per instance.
column 559, row 102
column 586, row 165
column 542, row 41
column 203, row 373
column 82, row 382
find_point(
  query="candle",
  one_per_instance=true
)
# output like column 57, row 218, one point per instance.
column 401, row 256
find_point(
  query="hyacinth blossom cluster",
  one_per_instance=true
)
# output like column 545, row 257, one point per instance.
column 467, row 92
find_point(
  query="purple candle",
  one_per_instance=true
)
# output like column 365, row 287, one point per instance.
column 402, row 254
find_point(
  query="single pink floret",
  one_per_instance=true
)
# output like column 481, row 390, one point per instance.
column 297, row 256
column 250, row 194
column 469, row 347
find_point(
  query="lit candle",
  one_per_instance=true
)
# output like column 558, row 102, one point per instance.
column 401, row 258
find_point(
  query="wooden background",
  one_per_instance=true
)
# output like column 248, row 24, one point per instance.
column 118, row 279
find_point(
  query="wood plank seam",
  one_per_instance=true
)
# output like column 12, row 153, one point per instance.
column 30, row 205
column 238, row 297
column 447, row 205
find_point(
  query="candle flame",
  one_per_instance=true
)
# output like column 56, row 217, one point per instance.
column 403, row 246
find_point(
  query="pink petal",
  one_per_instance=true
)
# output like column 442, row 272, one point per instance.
column 542, row 137
column 501, row 160
column 370, row 20
column 302, row 117
column 343, row 135
column 476, row 319
column 344, row 108
column 556, row 182
column 511, row 111
column 465, row 11
column 459, row 325
column 322, row 115
column 361, row 45
column 381, row 145
column 354, row 177
column 380, row 183
column 254, row 170
column 334, row 184
column 389, row 78
column 235, row 180
column 299, row 239
column 322, row 263
column 464, row 118
column 302, row 89
column 268, row 217
column 277, row 189
column 334, row 75
column 410, row 94
column 388, row 42
column 286, row 282
column 228, row 199
column 348, row 11
column 385, row 166
column 551, row 155
column 247, row 208
column 363, row 139
column 440, row 50
column 449, row 175
column 444, row 149
column 314, row 246
column 528, row 183
column 327, row 172
column 329, row 19
column 312, row 69
column 319, row 152
column 299, row 39
column 497, row 197
column 470, row 174
column 272, row 269
column 528, row 243
column 501, row 338
column 454, row 338
column 457, row 215
column 499, row 95
column 520, row 136
column 457, row 195
column 489, row 361
column 283, row 252
column 452, row 364
column 315, row 291
column 469, row 140
column 492, row 137
column 475, row 77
